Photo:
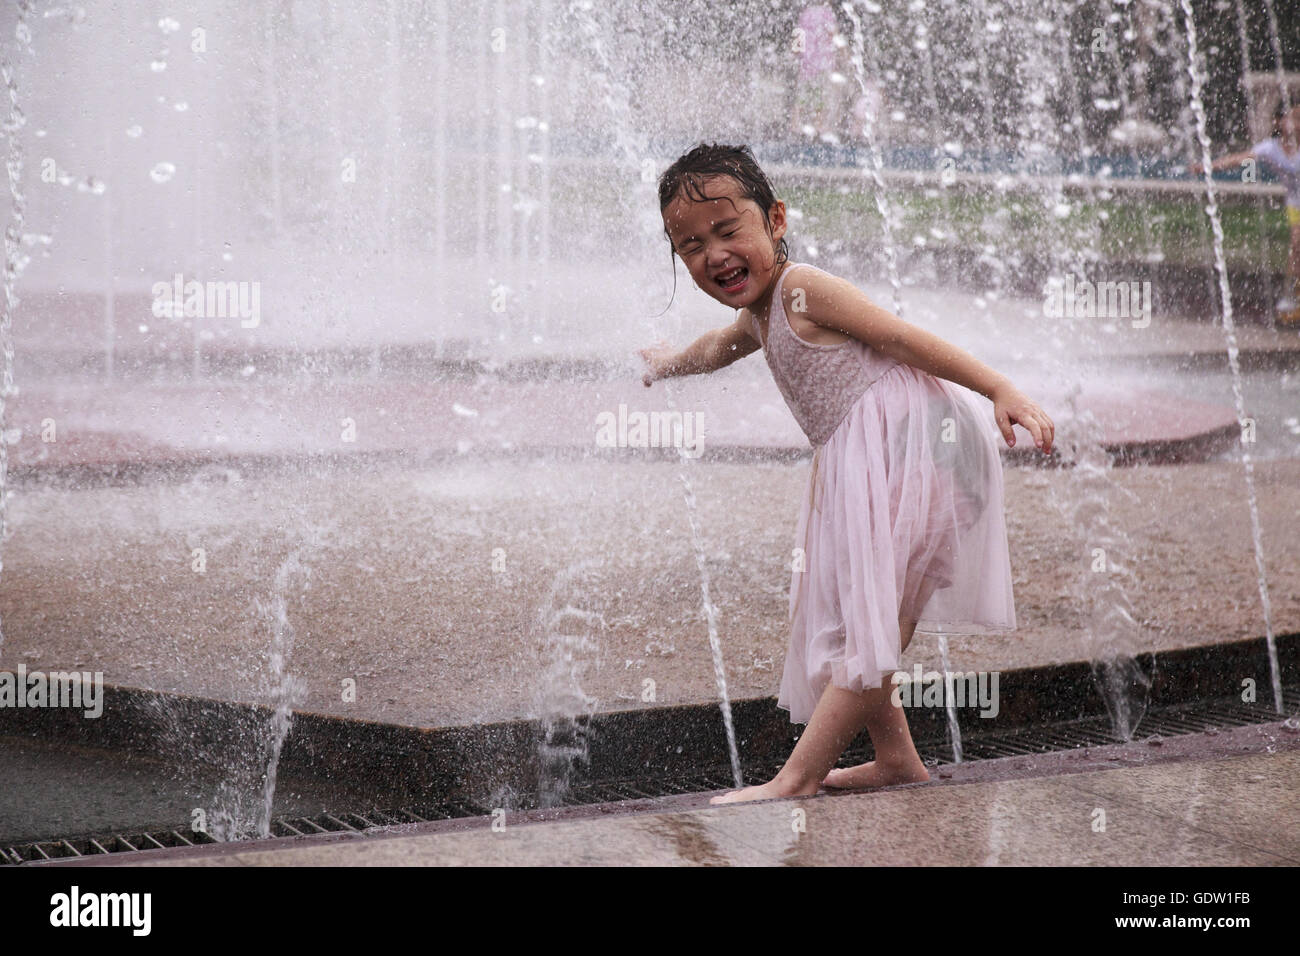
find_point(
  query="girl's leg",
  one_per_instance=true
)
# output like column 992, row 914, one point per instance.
column 839, row 717
column 896, row 758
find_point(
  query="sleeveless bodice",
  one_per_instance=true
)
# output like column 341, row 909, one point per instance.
column 820, row 383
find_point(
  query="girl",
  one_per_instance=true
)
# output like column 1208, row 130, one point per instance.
column 902, row 523
column 1281, row 153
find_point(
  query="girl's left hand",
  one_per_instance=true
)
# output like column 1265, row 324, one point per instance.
column 1012, row 406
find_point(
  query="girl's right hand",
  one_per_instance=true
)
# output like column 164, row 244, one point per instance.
column 659, row 359
column 1012, row 406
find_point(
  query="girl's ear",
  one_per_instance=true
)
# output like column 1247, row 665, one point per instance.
column 776, row 219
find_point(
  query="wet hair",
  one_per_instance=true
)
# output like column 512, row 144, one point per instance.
column 686, row 176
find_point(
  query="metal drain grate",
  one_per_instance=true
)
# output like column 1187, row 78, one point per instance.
column 106, row 843
column 1172, row 721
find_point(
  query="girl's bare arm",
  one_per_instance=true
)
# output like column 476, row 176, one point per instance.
column 710, row 352
column 837, row 304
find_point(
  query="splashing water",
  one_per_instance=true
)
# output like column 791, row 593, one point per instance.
column 565, row 710
column 1083, row 495
column 1230, row 337
column 1243, row 46
column 876, row 168
column 286, row 690
column 710, row 610
column 230, row 819
column 633, row 148
column 15, row 259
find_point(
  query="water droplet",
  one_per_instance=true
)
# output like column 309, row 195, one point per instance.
column 134, row 131
column 158, row 65
column 168, row 25
column 16, row 120
column 71, row 14
column 162, row 172
column 180, row 106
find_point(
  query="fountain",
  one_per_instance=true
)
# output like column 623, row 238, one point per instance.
column 337, row 297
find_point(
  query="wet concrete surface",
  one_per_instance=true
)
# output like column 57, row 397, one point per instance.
column 403, row 590
column 1221, row 799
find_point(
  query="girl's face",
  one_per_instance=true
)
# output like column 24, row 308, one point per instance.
column 723, row 242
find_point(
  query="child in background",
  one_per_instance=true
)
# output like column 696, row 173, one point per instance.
column 1280, row 153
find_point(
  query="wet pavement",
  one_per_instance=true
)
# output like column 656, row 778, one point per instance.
column 1224, row 799
column 173, row 530
column 403, row 590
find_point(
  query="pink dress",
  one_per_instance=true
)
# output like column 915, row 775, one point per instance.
column 902, row 515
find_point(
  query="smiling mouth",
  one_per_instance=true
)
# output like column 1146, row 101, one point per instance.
column 733, row 280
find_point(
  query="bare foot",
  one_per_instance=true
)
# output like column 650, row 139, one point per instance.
column 866, row 776
column 767, row 791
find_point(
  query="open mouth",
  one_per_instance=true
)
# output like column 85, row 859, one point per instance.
column 733, row 280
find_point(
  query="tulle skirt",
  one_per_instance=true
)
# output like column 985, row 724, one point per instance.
column 902, row 517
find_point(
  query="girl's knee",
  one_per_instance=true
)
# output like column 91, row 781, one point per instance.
column 906, row 630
